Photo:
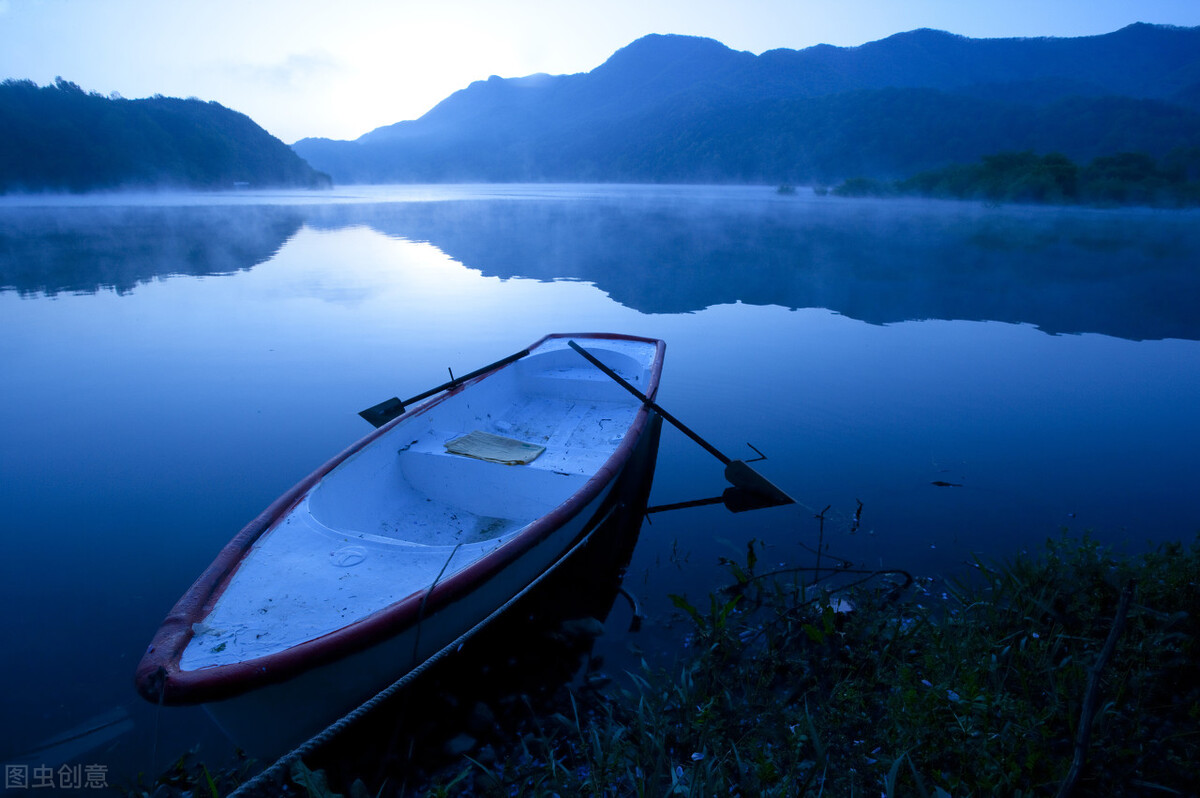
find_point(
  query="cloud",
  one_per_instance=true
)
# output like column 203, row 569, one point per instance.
column 294, row 71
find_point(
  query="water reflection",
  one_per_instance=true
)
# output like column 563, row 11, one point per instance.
column 1128, row 274
column 45, row 250
column 1123, row 273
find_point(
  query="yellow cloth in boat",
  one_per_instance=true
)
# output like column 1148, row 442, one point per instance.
column 495, row 448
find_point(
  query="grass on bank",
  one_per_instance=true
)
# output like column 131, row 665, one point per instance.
column 1072, row 671
column 977, row 691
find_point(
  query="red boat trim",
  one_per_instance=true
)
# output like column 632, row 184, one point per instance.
column 158, row 676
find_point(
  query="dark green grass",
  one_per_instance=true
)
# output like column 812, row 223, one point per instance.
column 975, row 691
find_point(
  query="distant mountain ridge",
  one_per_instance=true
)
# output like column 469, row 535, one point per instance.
column 60, row 138
column 668, row 107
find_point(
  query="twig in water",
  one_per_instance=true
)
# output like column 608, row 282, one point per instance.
column 820, row 542
column 1091, row 695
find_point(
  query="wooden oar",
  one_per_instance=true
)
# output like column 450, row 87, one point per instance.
column 737, row 472
column 388, row 409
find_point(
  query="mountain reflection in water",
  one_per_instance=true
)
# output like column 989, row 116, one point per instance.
column 87, row 249
column 1124, row 273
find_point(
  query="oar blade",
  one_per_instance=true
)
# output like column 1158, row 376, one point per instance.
column 765, row 493
column 740, row 500
column 383, row 412
column 388, row 409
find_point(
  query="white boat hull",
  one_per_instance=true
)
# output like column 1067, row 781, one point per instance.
column 400, row 545
column 271, row 720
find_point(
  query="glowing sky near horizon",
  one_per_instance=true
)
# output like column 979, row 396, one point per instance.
column 340, row 68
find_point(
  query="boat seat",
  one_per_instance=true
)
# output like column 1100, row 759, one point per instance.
column 565, row 373
column 487, row 488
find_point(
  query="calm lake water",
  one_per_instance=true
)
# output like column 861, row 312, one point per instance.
column 172, row 363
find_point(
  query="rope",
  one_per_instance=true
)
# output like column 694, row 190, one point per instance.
column 425, row 600
column 161, row 675
column 338, row 726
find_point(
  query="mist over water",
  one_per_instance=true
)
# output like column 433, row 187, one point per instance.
column 173, row 363
column 1127, row 273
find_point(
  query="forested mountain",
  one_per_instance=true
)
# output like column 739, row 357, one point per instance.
column 59, row 138
column 679, row 108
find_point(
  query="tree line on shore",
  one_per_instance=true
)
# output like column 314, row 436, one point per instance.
column 1127, row 178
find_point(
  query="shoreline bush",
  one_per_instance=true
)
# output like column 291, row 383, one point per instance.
column 887, row 686
column 1126, row 178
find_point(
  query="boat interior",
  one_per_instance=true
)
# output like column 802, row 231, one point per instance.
column 404, row 510
column 408, row 488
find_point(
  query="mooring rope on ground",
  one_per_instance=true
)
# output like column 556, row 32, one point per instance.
column 338, row 726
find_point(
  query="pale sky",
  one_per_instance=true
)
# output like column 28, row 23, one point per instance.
column 340, row 68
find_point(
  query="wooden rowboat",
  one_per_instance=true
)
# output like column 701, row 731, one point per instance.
column 405, row 541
